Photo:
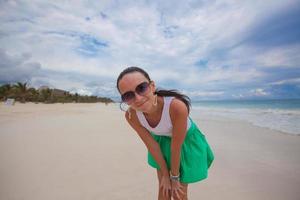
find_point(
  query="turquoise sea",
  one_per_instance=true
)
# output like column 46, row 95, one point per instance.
column 281, row 115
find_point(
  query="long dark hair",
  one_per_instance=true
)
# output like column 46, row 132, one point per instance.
column 163, row 93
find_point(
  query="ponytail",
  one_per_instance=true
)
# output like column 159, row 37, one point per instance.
column 174, row 93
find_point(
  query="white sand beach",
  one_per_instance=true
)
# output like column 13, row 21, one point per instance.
column 88, row 152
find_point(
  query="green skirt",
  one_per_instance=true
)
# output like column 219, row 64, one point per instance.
column 196, row 155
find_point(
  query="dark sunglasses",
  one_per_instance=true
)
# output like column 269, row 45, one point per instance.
column 140, row 89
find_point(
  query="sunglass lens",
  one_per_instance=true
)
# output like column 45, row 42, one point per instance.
column 142, row 88
column 128, row 96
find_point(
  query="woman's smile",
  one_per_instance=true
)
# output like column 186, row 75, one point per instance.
column 139, row 105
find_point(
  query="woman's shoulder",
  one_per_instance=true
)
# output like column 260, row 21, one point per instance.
column 178, row 107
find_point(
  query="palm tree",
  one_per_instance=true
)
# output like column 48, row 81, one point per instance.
column 5, row 91
column 76, row 96
column 22, row 91
column 33, row 95
column 46, row 94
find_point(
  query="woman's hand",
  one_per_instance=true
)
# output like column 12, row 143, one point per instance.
column 165, row 185
column 177, row 189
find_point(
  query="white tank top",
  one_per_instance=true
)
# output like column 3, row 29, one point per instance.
column 164, row 127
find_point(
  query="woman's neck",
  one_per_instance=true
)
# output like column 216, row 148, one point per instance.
column 156, row 109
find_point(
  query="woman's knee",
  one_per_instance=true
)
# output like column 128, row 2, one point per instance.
column 161, row 196
column 182, row 196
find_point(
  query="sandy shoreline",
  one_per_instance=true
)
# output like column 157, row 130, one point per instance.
column 87, row 151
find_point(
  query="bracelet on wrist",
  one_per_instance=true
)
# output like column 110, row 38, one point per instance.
column 174, row 178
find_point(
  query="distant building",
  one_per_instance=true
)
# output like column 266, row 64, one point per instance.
column 58, row 92
column 43, row 88
column 54, row 92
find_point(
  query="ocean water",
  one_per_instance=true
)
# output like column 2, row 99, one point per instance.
column 281, row 115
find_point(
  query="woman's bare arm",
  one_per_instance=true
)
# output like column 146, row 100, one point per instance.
column 148, row 140
column 179, row 115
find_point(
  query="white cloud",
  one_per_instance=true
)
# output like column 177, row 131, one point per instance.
column 165, row 37
column 82, row 91
column 288, row 81
column 14, row 68
column 287, row 56
column 259, row 92
column 204, row 94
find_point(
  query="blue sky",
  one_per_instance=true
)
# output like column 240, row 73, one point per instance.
column 220, row 49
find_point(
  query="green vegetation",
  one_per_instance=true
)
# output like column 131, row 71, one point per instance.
column 21, row 92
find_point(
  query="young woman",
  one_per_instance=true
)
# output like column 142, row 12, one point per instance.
column 176, row 147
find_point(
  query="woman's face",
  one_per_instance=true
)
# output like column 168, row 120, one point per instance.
column 142, row 102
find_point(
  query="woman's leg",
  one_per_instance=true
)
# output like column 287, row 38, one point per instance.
column 160, row 191
column 162, row 197
column 183, row 196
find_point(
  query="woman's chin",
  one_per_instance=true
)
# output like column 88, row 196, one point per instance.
column 144, row 107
